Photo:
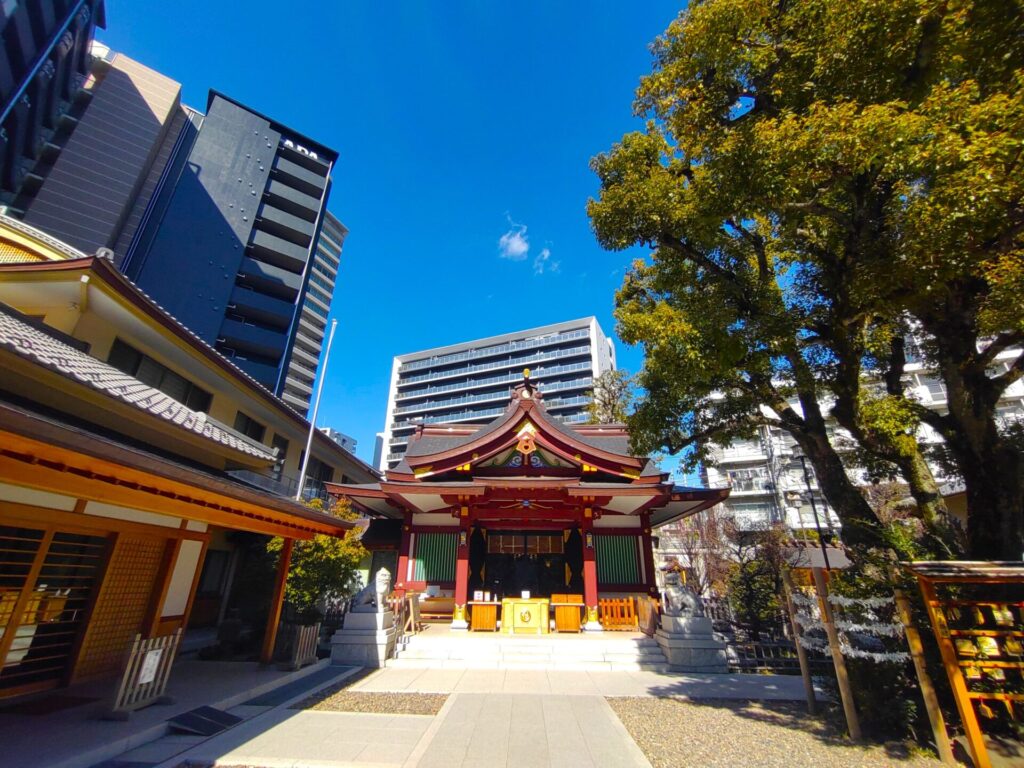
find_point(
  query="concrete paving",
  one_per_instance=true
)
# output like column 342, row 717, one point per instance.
column 592, row 683
column 83, row 739
column 493, row 718
column 487, row 730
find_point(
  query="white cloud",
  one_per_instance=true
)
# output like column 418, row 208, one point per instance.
column 514, row 244
column 544, row 263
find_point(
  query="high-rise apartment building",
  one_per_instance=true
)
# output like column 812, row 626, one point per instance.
column 219, row 216
column 239, row 235
column 312, row 319
column 44, row 63
column 472, row 382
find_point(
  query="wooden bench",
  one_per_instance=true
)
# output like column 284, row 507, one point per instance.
column 436, row 610
column 568, row 611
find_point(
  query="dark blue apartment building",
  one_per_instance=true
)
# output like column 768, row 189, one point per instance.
column 230, row 240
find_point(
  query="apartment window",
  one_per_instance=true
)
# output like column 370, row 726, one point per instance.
column 126, row 358
column 249, row 427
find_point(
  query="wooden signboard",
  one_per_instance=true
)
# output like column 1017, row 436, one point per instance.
column 145, row 676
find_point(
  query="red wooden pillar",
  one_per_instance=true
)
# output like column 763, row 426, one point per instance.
column 590, row 572
column 647, row 553
column 270, row 633
column 462, row 572
column 403, row 555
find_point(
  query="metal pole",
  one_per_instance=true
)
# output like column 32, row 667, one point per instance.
column 814, row 510
column 316, row 408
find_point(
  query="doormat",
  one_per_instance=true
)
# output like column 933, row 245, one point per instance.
column 46, row 705
column 203, row 721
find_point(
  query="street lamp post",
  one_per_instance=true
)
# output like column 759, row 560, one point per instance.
column 814, row 508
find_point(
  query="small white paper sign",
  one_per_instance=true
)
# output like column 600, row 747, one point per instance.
column 150, row 664
column 525, row 594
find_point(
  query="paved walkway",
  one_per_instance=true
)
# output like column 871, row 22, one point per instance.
column 639, row 683
column 493, row 718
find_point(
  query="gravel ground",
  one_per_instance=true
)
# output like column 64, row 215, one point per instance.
column 378, row 703
column 679, row 733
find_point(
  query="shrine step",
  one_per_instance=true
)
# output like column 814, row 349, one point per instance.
column 543, row 652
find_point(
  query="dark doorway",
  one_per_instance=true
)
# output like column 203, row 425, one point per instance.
column 517, row 561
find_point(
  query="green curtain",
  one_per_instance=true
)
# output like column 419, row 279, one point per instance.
column 434, row 557
column 618, row 560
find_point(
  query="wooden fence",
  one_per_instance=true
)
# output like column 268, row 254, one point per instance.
column 618, row 613
column 297, row 645
column 146, row 671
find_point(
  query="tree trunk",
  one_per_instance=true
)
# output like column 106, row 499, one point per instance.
column 995, row 503
column 860, row 524
column 991, row 465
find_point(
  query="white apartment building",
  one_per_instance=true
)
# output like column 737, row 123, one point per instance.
column 471, row 382
column 768, row 485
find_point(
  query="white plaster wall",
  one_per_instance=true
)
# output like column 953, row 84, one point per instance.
column 131, row 515
column 434, row 518
column 19, row 495
column 181, row 579
column 616, row 521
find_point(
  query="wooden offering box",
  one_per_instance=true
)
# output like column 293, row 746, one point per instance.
column 977, row 614
column 525, row 616
column 483, row 615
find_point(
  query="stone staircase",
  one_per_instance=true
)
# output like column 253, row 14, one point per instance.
column 606, row 651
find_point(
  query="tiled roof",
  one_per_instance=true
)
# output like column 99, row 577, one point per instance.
column 42, row 349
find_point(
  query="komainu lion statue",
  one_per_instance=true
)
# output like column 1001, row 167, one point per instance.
column 678, row 600
column 372, row 597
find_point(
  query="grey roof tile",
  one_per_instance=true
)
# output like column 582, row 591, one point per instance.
column 44, row 350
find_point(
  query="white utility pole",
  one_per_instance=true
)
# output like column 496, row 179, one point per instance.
column 316, row 407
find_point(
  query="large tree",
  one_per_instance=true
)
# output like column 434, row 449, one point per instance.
column 814, row 174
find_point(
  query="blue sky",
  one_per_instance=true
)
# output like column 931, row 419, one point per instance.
column 465, row 130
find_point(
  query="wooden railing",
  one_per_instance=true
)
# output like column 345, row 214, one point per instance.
column 618, row 613
column 147, row 669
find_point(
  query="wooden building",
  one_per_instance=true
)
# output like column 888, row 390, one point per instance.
column 525, row 504
column 119, row 475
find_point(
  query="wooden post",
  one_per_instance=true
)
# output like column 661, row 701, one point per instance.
column 975, row 740
column 461, row 573
column 931, row 701
column 403, row 554
column 801, row 652
column 270, row 634
column 647, row 553
column 845, row 692
column 590, row 571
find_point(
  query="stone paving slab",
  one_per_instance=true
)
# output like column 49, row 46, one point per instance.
column 623, row 683
column 500, row 730
column 288, row 737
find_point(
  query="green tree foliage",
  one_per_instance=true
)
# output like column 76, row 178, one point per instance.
column 817, row 178
column 324, row 566
column 754, row 580
column 611, row 398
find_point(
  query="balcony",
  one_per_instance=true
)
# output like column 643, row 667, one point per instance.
column 277, row 251
column 285, row 226
column 270, row 279
column 507, row 378
column 294, row 175
column 299, row 386
column 243, row 337
column 512, row 362
column 258, row 306
column 498, row 349
column 291, row 200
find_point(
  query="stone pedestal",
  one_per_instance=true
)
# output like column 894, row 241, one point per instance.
column 366, row 639
column 689, row 645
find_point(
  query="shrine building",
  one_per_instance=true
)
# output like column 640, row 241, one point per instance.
column 524, row 507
